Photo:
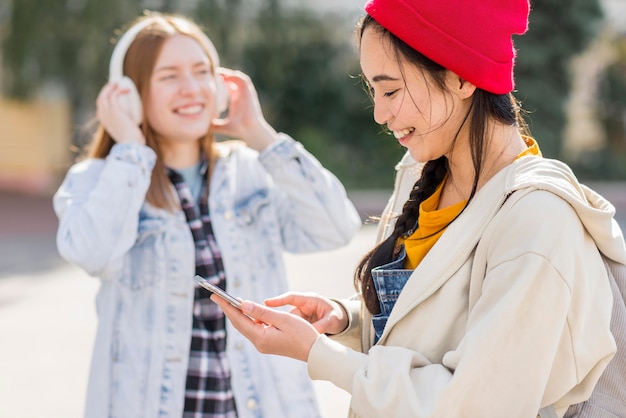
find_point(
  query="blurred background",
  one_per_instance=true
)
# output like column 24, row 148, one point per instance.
column 570, row 76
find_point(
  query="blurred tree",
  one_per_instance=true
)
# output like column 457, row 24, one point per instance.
column 221, row 20
column 306, row 73
column 61, row 41
column 612, row 99
column 557, row 31
column 609, row 162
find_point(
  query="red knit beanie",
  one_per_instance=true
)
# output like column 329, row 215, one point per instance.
column 470, row 38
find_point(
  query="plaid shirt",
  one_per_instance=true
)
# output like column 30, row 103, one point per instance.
column 208, row 391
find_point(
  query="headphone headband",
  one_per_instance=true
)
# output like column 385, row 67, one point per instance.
column 171, row 23
column 116, row 65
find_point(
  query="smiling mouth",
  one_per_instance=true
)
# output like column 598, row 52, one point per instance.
column 403, row 133
column 190, row 110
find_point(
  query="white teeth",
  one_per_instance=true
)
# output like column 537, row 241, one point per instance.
column 402, row 133
column 190, row 110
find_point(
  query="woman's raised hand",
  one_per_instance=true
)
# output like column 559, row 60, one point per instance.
column 114, row 117
column 245, row 118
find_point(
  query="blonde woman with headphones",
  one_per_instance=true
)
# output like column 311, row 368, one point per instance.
column 157, row 201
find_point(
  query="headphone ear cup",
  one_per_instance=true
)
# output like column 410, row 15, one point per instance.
column 131, row 101
column 221, row 94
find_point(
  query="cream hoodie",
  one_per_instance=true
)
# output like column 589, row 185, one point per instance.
column 508, row 312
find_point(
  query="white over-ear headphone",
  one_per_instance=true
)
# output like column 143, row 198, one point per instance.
column 132, row 101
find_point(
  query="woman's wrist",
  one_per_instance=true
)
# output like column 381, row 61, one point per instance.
column 261, row 137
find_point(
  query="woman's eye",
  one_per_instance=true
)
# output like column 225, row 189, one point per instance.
column 201, row 69
column 391, row 93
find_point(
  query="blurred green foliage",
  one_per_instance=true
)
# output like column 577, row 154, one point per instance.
column 61, row 41
column 304, row 65
column 609, row 162
column 557, row 31
column 308, row 79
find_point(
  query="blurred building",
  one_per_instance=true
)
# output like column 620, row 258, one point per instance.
column 35, row 141
column 584, row 132
column 34, row 136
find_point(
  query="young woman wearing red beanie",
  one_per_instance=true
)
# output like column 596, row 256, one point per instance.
column 486, row 295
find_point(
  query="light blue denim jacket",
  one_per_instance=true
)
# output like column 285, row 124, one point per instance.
column 260, row 205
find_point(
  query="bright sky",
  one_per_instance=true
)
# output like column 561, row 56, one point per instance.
column 615, row 11
column 349, row 6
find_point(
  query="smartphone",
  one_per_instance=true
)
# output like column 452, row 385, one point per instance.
column 219, row 292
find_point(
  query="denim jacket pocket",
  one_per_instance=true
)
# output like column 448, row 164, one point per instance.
column 250, row 210
column 258, row 223
column 143, row 264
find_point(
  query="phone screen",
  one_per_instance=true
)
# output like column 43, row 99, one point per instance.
column 219, row 292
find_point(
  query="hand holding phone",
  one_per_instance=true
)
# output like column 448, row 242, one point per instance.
column 219, row 292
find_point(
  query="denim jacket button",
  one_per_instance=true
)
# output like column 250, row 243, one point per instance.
column 228, row 215
column 251, row 404
column 239, row 346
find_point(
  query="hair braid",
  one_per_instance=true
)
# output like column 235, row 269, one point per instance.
column 432, row 175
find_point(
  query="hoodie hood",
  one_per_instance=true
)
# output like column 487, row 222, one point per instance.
column 526, row 174
column 595, row 212
column 407, row 162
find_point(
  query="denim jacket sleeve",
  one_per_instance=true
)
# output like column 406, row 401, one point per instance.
column 98, row 207
column 315, row 208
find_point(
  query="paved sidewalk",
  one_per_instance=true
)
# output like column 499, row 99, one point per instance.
column 47, row 325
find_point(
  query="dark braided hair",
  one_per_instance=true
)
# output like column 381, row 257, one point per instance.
column 433, row 173
column 485, row 106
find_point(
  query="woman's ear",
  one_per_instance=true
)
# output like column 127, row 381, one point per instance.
column 462, row 88
column 466, row 89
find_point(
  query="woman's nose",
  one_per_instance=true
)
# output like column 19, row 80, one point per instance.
column 381, row 113
column 189, row 84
